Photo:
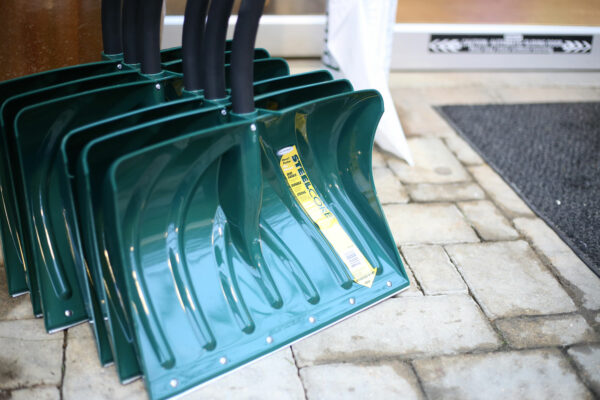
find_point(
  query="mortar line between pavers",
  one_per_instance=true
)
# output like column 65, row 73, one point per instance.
column 418, row 283
column 540, row 316
column 297, row 373
column 504, row 343
column 468, row 221
column 398, row 357
column 63, row 368
column 24, row 387
column 578, row 373
column 419, row 380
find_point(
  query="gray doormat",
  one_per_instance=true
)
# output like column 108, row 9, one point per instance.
column 550, row 155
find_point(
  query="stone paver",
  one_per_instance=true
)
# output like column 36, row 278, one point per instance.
column 508, row 280
column 430, row 192
column 348, row 381
column 389, row 188
column 499, row 191
column 38, row 393
column 408, row 327
column 433, row 269
column 489, row 80
column 584, row 283
column 539, row 374
column 559, row 330
column 28, row 355
column 546, row 95
column 463, row 151
column 434, row 163
column 86, row 379
column 428, row 223
column 587, row 359
column 466, row 95
column 488, row 221
column 419, row 118
column 274, row 377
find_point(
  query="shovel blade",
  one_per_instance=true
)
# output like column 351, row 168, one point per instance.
column 221, row 262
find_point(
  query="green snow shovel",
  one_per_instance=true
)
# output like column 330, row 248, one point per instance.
column 111, row 38
column 59, row 80
column 95, row 159
column 238, row 240
column 52, row 251
column 159, row 123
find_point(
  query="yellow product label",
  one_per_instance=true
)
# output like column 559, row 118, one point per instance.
column 360, row 268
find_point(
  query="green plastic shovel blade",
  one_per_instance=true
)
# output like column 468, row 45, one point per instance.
column 9, row 228
column 220, row 262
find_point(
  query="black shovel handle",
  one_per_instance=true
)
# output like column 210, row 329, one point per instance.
column 213, row 49
column 130, row 32
column 242, row 56
column 111, row 27
column 150, row 14
column 193, row 37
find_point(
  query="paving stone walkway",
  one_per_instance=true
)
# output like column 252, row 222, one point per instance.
column 499, row 306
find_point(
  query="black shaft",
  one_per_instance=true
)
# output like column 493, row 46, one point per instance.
column 150, row 14
column 213, row 49
column 131, row 55
column 111, row 26
column 193, row 35
column 242, row 56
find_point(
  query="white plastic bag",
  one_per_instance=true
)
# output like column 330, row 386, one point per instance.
column 359, row 44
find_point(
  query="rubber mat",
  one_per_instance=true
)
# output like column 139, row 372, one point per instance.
column 550, row 155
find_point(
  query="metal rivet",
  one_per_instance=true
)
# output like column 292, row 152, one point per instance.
column 389, row 284
column 174, row 382
column 119, row 66
column 223, row 360
column 269, row 339
column 252, row 127
column 223, row 112
column 311, row 320
column 157, row 86
column 68, row 313
column 352, row 301
column 558, row 202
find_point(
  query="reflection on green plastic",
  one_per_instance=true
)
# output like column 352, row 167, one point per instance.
column 203, row 295
column 10, row 226
column 96, row 149
column 39, row 128
column 48, row 251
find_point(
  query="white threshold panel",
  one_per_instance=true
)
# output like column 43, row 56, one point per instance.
column 468, row 47
column 435, row 46
column 282, row 35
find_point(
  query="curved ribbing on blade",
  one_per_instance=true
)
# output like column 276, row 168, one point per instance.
column 15, row 240
column 42, row 223
column 288, row 258
column 222, row 252
column 335, row 264
column 240, row 195
column 147, row 313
